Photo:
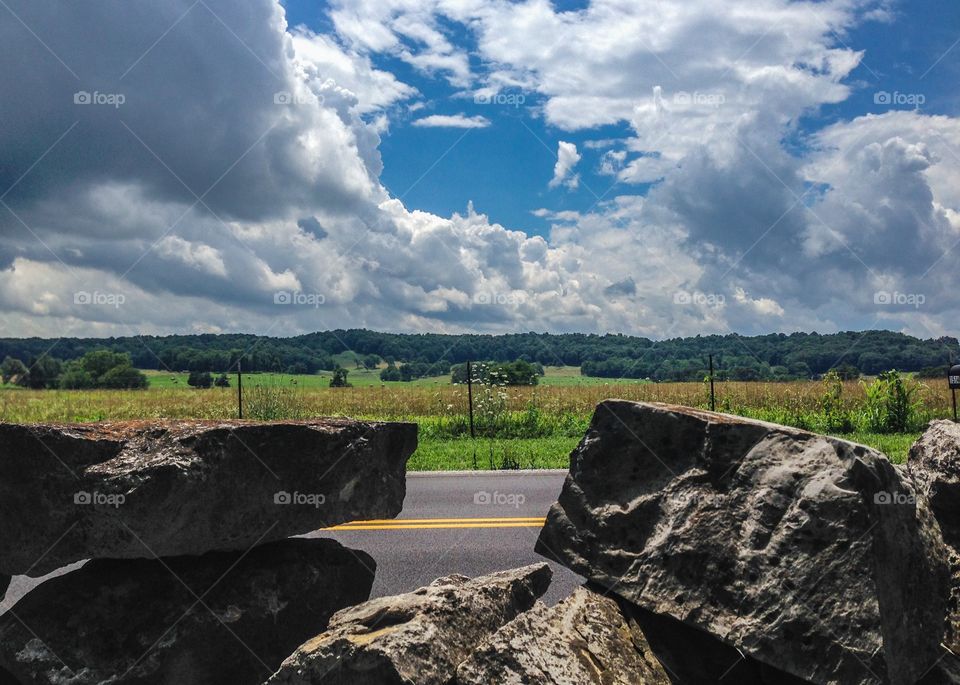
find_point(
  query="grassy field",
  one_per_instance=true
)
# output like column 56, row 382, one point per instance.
column 532, row 427
column 565, row 376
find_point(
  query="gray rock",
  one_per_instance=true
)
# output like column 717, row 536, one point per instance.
column 419, row 637
column 693, row 657
column 802, row 551
column 168, row 488
column 582, row 640
column 945, row 672
column 225, row 617
column 934, row 464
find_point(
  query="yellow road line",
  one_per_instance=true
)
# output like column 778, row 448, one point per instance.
column 421, row 524
column 529, row 524
column 494, row 519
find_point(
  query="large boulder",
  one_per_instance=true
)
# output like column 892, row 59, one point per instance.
column 802, row 551
column 167, row 488
column 224, row 617
column 419, row 637
column 934, row 464
column 583, row 640
column 694, row 657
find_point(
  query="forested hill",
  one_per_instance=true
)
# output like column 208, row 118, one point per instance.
column 767, row 356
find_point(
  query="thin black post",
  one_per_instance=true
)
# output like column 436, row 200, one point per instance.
column 239, row 391
column 713, row 399
column 953, row 382
column 470, row 397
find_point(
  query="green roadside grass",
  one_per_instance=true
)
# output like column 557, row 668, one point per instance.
column 458, row 454
column 464, row 454
column 894, row 445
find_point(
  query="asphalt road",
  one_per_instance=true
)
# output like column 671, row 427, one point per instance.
column 465, row 522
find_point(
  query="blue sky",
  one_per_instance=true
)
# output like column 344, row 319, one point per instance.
column 656, row 168
column 505, row 169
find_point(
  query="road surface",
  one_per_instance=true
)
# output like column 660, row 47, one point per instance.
column 464, row 522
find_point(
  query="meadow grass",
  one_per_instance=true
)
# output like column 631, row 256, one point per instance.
column 563, row 376
column 535, row 428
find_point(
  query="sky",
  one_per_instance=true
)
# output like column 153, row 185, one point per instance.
column 662, row 169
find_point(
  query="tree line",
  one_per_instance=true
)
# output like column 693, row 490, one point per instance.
column 765, row 357
column 95, row 369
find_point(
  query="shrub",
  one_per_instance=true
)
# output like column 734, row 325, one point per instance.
column 339, row 379
column 123, row 378
column 835, row 417
column 892, row 404
column 200, row 379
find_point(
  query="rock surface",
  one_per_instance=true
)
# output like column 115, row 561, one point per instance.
column 583, row 640
column 168, row 488
column 802, row 551
column 419, row 637
column 693, row 657
column 934, row 464
column 224, row 617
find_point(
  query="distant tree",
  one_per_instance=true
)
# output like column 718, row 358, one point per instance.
column 75, row 377
column 222, row 381
column 200, row 379
column 123, row 377
column 744, row 373
column 933, row 372
column 42, row 373
column 339, row 379
column 391, row 373
column 847, row 372
column 102, row 369
column 371, row 361
column 99, row 362
column 12, row 369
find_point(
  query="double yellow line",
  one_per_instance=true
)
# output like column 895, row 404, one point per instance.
column 423, row 524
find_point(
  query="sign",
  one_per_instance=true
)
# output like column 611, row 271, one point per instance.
column 953, row 377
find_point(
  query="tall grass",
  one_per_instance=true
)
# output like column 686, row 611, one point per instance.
column 530, row 412
column 891, row 405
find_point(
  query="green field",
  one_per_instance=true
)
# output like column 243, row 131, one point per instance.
column 564, row 376
column 517, row 427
